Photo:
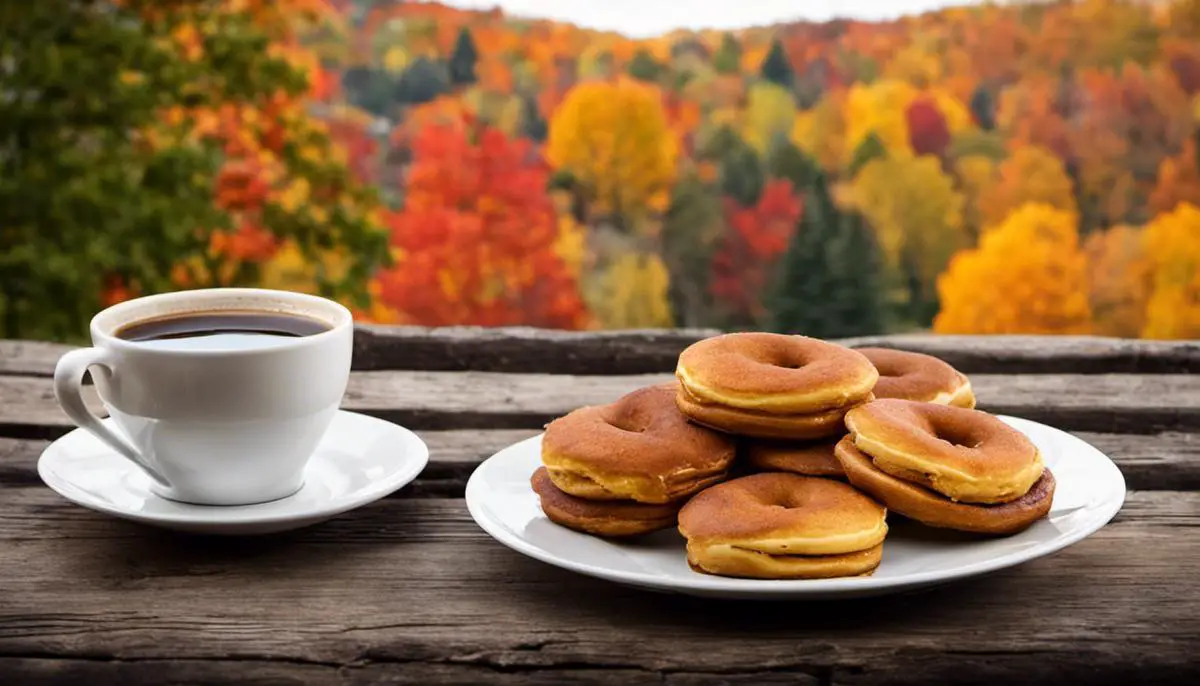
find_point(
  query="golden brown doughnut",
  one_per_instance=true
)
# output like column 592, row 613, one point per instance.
column 932, row 509
column 777, row 525
column 761, row 424
column 774, row 373
column 637, row 448
column 748, row 564
column 914, row 376
column 609, row 518
column 965, row 455
column 807, row 459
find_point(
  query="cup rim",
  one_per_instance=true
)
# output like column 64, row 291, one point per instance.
column 104, row 335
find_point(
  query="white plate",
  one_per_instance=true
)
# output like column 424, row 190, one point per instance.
column 1089, row 492
column 359, row 460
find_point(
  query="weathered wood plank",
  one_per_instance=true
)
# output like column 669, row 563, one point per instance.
column 1047, row 354
column 1110, row 403
column 1167, row 461
column 31, row 358
column 520, row 350
column 416, row 584
column 525, row 350
column 255, row 672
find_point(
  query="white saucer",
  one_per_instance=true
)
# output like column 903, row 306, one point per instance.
column 1089, row 492
column 359, row 460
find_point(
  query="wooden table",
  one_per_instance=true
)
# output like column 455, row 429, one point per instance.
column 410, row 590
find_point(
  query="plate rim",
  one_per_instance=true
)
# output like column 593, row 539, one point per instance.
column 415, row 461
column 705, row 583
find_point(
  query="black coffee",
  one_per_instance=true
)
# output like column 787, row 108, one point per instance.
column 225, row 329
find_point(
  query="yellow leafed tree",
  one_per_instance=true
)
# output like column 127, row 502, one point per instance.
column 917, row 217
column 1030, row 175
column 880, row 108
column 770, row 111
column 1028, row 275
column 821, row 131
column 976, row 174
column 1117, row 277
column 915, row 65
column 289, row 270
column 614, row 139
column 1172, row 247
column 631, row 293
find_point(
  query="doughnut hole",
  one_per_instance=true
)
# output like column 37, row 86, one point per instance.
column 629, row 421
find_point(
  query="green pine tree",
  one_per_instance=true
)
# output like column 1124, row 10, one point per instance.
column 532, row 122
column 643, row 67
column 826, row 284
column 423, row 81
column 871, row 148
column 462, row 60
column 728, row 58
column 692, row 225
column 717, row 144
column 741, row 173
column 983, row 107
column 776, row 68
column 787, row 162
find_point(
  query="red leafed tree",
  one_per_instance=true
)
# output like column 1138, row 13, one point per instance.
column 475, row 240
column 927, row 129
column 755, row 238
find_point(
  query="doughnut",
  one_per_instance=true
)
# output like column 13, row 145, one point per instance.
column 772, row 385
column 965, row 455
column 931, row 509
column 783, row 526
column 914, row 376
column 609, row 518
column 761, row 424
column 637, row 448
column 808, row 459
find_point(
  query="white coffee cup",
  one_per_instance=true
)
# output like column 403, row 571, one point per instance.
column 213, row 426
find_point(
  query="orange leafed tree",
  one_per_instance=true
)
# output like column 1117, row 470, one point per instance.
column 757, row 236
column 475, row 242
column 1172, row 245
column 1178, row 180
column 1027, row 276
column 1030, row 175
column 1117, row 277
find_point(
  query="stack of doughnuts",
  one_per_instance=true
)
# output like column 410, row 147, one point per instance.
column 771, row 385
column 837, row 438
column 626, row 468
column 946, row 466
column 902, row 374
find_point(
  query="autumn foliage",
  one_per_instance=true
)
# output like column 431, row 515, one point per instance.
column 1172, row 246
column 474, row 243
column 613, row 139
column 1028, row 275
column 755, row 238
column 1003, row 167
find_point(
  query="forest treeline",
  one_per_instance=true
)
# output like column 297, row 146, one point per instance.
column 982, row 169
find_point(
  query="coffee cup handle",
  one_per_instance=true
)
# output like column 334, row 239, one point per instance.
column 68, row 389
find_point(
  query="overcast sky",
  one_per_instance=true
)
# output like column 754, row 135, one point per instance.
column 642, row 18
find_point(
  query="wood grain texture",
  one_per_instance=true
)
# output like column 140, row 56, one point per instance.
column 1167, row 461
column 412, row 588
column 526, row 350
column 1111, row 403
column 515, row 349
